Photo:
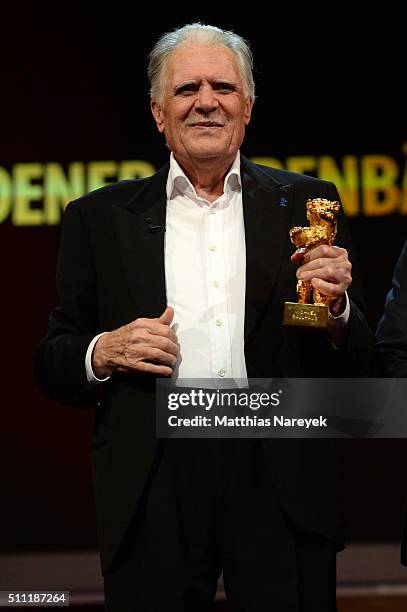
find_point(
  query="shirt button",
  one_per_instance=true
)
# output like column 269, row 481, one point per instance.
column 212, row 248
column 215, row 284
column 212, row 210
column 222, row 372
column 218, row 322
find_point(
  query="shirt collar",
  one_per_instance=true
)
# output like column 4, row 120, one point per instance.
column 177, row 180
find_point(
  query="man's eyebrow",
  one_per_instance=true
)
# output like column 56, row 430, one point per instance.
column 221, row 81
column 224, row 83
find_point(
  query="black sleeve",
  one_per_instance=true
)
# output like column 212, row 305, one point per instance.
column 60, row 358
column 391, row 347
column 358, row 349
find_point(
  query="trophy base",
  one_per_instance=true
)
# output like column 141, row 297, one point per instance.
column 306, row 315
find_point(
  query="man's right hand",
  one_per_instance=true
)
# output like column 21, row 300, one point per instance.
column 144, row 345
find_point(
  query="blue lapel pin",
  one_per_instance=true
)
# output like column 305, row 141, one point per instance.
column 283, row 201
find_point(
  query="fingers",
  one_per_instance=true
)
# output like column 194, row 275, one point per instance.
column 144, row 345
column 324, row 269
column 140, row 356
column 159, row 370
column 166, row 317
column 156, row 329
column 331, row 290
column 325, row 251
column 150, row 368
column 302, row 256
column 328, row 268
column 326, row 260
column 298, row 257
column 155, row 355
column 159, row 326
column 165, row 344
column 154, row 343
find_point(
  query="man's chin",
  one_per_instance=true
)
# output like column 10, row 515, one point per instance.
column 210, row 151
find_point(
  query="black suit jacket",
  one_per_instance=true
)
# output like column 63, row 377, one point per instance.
column 391, row 346
column 111, row 271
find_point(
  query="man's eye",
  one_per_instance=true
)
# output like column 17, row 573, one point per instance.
column 224, row 87
column 185, row 90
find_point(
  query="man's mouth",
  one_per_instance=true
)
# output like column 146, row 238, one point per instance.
column 207, row 124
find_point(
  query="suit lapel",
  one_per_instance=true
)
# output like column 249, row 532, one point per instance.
column 267, row 209
column 140, row 230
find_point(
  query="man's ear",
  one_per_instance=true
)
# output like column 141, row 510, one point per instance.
column 248, row 110
column 158, row 115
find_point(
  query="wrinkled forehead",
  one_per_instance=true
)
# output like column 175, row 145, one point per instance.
column 197, row 61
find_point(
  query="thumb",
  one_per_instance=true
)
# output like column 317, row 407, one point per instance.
column 298, row 256
column 167, row 316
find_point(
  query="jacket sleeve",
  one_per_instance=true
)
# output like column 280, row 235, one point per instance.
column 357, row 352
column 391, row 347
column 59, row 360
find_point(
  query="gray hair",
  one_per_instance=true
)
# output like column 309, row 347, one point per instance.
column 199, row 32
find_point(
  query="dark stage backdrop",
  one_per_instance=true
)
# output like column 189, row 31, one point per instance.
column 75, row 115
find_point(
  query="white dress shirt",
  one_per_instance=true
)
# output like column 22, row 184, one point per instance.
column 205, row 275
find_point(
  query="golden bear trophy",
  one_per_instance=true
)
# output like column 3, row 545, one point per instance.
column 321, row 215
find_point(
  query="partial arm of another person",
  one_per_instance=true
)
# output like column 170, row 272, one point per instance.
column 391, row 334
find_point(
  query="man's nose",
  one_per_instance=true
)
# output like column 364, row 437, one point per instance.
column 206, row 100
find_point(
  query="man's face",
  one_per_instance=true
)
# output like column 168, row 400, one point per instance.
column 203, row 111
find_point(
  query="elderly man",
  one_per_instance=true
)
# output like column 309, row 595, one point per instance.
column 185, row 275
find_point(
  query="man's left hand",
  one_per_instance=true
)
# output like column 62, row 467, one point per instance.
column 329, row 270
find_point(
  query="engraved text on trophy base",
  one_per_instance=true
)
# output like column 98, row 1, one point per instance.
column 308, row 315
